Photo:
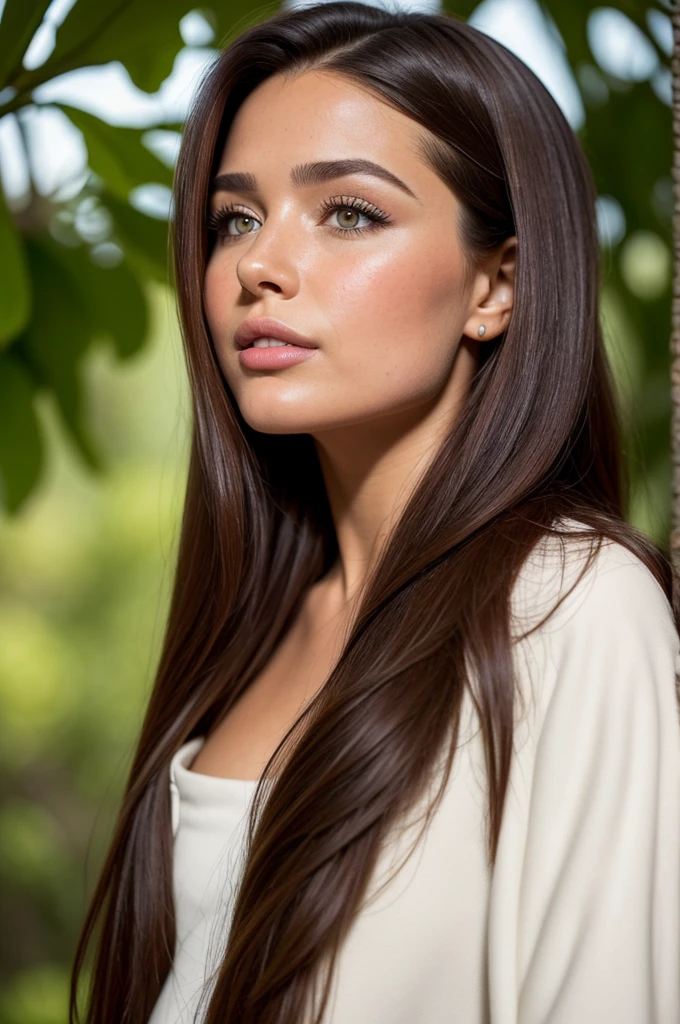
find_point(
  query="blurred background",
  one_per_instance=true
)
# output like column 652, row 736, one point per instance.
column 94, row 413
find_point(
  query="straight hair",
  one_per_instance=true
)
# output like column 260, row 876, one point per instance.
column 537, row 441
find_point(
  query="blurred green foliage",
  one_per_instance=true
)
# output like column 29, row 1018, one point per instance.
column 94, row 428
column 85, row 575
column 73, row 270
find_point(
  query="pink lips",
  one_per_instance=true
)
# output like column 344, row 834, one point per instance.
column 267, row 327
column 274, row 358
column 296, row 349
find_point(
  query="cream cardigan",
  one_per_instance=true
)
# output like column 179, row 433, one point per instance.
column 579, row 921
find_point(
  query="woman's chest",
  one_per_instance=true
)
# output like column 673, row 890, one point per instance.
column 416, row 950
column 240, row 745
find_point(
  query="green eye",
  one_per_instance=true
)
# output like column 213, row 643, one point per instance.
column 219, row 221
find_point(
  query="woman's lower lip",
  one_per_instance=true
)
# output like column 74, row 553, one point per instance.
column 274, row 357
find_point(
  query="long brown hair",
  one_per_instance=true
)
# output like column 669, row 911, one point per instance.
column 538, row 439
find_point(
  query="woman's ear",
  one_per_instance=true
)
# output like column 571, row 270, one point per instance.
column 492, row 293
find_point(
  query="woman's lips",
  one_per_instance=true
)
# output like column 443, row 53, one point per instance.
column 255, row 327
column 275, row 357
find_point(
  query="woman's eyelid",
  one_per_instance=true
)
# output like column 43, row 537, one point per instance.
column 322, row 206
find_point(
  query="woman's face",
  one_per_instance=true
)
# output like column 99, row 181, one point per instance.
column 386, row 303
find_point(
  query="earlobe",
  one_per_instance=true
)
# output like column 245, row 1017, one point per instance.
column 496, row 305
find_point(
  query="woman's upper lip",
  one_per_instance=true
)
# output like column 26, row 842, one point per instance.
column 266, row 327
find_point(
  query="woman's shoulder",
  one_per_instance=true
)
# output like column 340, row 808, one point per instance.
column 613, row 590
column 600, row 631
column 592, row 819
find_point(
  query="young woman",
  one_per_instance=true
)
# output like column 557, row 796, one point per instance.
column 413, row 751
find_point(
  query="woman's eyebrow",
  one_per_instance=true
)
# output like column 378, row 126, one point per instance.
column 304, row 175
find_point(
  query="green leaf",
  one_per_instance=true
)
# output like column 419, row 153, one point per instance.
column 144, row 239
column 21, row 444
column 20, row 20
column 113, row 295
column 140, row 34
column 56, row 339
column 98, row 31
column 148, row 67
column 117, row 154
column 15, row 286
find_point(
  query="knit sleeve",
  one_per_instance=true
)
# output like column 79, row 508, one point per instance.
column 598, row 906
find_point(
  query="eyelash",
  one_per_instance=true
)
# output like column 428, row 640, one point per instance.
column 377, row 218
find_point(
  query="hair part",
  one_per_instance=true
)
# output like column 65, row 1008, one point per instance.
column 538, row 440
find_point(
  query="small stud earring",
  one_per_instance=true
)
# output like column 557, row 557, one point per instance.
column 481, row 329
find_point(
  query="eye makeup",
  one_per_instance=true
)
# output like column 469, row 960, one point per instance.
column 219, row 220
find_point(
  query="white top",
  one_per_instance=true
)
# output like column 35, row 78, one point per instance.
column 579, row 921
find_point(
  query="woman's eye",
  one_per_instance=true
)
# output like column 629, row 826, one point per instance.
column 348, row 216
column 347, row 209
column 349, row 213
column 239, row 216
column 219, row 222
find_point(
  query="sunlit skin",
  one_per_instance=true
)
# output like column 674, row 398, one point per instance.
column 394, row 318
